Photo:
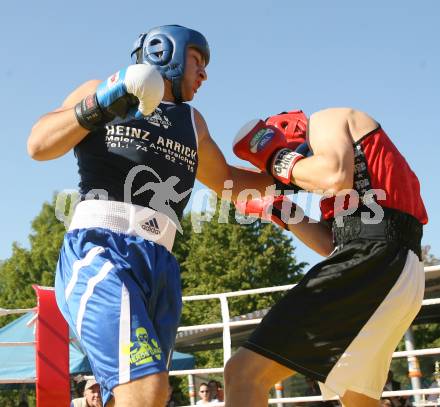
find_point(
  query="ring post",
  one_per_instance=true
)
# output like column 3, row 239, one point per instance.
column 52, row 351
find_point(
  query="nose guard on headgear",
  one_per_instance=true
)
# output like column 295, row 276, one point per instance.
column 166, row 47
column 293, row 124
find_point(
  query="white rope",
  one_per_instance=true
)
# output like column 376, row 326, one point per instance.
column 218, row 325
column 432, row 301
column 6, row 311
column 20, row 380
column 430, row 269
column 420, row 352
column 238, row 293
column 397, row 393
column 5, row 344
column 210, row 370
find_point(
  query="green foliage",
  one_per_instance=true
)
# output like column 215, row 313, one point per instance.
column 31, row 266
column 227, row 256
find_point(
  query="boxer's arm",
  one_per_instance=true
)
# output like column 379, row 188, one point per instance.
column 213, row 170
column 331, row 168
column 135, row 90
column 57, row 132
column 316, row 235
column 286, row 214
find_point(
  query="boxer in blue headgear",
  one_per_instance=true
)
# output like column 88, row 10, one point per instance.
column 140, row 146
column 165, row 47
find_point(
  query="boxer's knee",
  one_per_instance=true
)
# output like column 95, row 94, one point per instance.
column 245, row 367
column 251, row 368
column 148, row 391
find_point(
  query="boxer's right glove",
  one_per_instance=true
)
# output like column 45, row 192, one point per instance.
column 268, row 208
column 137, row 90
column 267, row 148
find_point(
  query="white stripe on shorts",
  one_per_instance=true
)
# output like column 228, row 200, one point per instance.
column 364, row 366
column 91, row 284
column 124, row 337
column 78, row 264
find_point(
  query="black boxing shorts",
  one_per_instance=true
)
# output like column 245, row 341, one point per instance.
column 342, row 322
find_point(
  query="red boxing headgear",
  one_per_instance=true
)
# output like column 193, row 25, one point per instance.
column 292, row 124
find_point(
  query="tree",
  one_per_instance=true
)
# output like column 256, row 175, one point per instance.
column 227, row 256
column 35, row 265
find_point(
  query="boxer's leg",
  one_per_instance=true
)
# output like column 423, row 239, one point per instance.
column 149, row 391
column 249, row 377
column 352, row 399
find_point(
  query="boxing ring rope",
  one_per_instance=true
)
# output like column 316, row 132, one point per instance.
column 52, row 333
column 6, row 311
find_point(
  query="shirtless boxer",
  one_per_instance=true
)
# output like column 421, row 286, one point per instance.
column 342, row 322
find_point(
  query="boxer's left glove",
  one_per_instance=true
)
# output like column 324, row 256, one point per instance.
column 302, row 149
column 276, row 209
column 266, row 147
column 136, row 90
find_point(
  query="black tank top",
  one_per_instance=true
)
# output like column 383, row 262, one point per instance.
column 143, row 162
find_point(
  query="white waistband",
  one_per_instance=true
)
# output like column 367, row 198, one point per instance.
column 125, row 218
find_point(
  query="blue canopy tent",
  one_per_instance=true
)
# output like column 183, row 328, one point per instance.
column 17, row 363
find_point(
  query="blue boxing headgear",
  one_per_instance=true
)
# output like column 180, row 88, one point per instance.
column 165, row 47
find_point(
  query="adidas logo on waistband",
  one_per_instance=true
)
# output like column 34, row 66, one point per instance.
column 151, row 226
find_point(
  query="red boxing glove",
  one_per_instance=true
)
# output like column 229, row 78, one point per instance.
column 292, row 124
column 266, row 147
column 256, row 142
column 282, row 164
column 268, row 208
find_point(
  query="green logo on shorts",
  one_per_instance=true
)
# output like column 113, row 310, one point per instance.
column 144, row 350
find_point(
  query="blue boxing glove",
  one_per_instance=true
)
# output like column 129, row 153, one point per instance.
column 136, row 90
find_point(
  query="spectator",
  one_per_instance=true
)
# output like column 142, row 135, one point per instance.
column 220, row 392
column 386, row 403
column 92, row 396
column 215, row 390
column 394, row 385
column 391, row 384
column 205, row 395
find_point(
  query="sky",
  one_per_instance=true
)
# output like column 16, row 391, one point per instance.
column 381, row 57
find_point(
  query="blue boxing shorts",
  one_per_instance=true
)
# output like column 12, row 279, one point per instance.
column 120, row 294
